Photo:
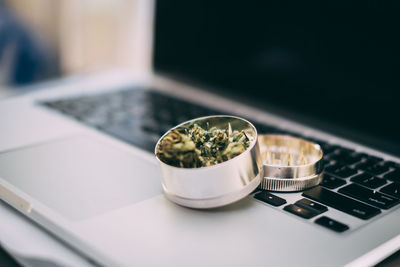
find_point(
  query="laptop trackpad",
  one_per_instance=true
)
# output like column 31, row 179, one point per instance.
column 79, row 177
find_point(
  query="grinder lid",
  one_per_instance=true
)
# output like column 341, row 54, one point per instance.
column 289, row 163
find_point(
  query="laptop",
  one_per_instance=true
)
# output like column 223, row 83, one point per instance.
column 77, row 158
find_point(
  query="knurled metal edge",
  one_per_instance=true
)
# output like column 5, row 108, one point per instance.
column 288, row 185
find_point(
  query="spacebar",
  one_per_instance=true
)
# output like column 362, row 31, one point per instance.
column 342, row 203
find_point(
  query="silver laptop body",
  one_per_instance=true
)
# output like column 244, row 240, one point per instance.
column 103, row 196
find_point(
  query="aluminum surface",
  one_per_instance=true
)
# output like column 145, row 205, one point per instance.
column 156, row 223
column 218, row 185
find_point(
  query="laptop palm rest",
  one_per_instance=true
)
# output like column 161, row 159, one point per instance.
column 79, row 177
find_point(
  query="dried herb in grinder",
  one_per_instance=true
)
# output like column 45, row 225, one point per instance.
column 195, row 147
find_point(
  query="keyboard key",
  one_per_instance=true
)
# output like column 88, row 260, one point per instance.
column 311, row 205
column 328, row 148
column 332, row 182
column 353, row 158
column 368, row 180
column 347, row 159
column 392, row 189
column 335, row 156
column 370, row 160
column 325, row 162
column 299, row 211
column 331, row 224
column 270, row 199
column 334, row 167
column 393, row 176
column 340, row 170
column 369, row 196
column 375, row 169
column 345, row 151
column 345, row 172
column 391, row 164
column 365, row 164
column 374, row 158
column 342, row 203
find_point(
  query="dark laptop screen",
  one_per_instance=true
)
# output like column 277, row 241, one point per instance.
column 336, row 62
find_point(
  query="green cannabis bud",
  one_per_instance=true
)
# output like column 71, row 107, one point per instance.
column 195, row 147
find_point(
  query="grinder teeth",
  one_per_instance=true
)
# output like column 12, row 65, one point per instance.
column 289, row 163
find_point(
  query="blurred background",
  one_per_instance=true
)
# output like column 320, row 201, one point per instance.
column 335, row 61
column 46, row 39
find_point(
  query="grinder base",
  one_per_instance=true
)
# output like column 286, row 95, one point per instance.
column 215, row 202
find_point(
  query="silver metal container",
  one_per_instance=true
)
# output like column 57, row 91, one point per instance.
column 290, row 163
column 220, row 184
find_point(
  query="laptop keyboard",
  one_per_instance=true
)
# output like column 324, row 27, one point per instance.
column 357, row 184
column 138, row 117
